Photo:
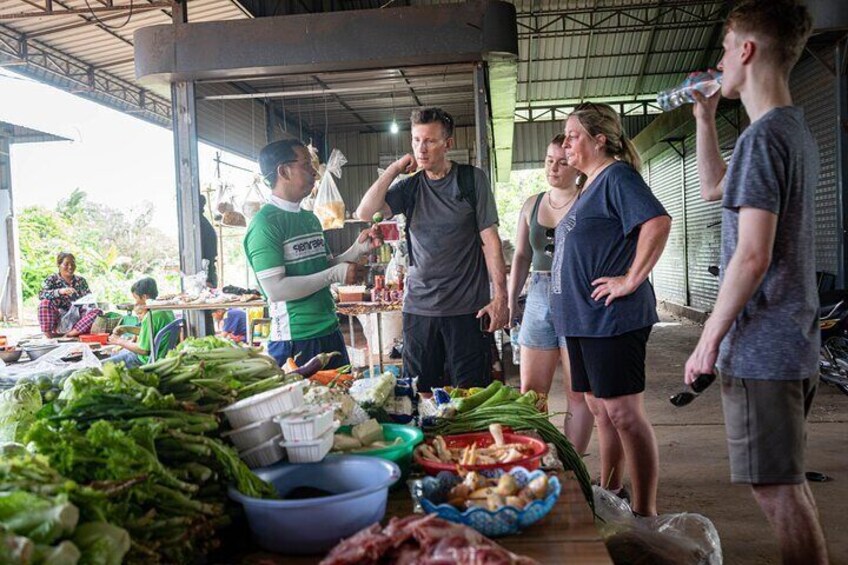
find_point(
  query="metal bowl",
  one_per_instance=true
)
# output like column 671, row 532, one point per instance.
column 35, row 352
column 10, row 355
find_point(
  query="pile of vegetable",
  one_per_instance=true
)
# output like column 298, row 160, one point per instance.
column 211, row 373
column 47, row 519
column 478, row 491
column 133, row 451
column 499, row 404
column 498, row 452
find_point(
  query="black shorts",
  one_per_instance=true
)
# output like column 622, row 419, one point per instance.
column 446, row 350
column 609, row 366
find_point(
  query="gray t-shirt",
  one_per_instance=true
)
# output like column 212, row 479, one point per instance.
column 449, row 275
column 598, row 238
column 775, row 167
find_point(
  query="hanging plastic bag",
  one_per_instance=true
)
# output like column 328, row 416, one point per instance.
column 224, row 198
column 254, row 200
column 329, row 205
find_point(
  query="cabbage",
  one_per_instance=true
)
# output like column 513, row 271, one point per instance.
column 101, row 543
column 66, row 553
column 42, row 519
column 18, row 407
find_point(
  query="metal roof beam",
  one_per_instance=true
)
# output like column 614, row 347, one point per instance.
column 315, row 43
column 671, row 15
column 612, row 56
column 411, row 90
column 43, row 63
column 716, row 36
column 336, row 97
column 643, row 66
column 66, row 11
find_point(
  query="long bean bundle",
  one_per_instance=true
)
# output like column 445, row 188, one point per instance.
column 520, row 416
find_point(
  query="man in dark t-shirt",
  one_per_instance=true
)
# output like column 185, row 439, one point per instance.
column 448, row 306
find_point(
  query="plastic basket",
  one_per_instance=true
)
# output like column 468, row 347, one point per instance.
column 504, row 521
column 105, row 323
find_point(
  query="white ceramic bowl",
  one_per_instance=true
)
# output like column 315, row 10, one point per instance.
column 306, row 423
column 264, row 454
column 251, row 435
column 266, row 405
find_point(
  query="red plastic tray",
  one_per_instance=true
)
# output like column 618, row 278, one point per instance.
column 102, row 339
column 485, row 439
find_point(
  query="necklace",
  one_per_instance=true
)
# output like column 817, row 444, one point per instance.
column 599, row 169
column 566, row 203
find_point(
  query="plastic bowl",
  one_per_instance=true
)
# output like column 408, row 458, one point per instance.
column 401, row 453
column 36, row 351
column 485, row 439
column 504, row 521
column 265, row 405
column 314, row 525
column 10, row 355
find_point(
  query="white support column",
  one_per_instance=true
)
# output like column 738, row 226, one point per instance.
column 10, row 278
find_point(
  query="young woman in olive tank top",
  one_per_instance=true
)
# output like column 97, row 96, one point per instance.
column 540, row 351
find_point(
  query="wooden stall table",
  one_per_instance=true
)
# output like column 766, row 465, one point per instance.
column 566, row 535
column 194, row 306
column 351, row 309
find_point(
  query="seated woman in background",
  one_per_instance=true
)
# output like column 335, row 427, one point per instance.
column 57, row 295
column 137, row 352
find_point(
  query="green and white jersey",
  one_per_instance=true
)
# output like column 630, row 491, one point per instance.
column 285, row 239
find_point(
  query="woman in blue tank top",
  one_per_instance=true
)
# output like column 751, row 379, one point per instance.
column 540, row 351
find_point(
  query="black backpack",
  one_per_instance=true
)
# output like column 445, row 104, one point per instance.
column 467, row 192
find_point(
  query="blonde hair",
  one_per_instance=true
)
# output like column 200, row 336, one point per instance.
column 602, row 119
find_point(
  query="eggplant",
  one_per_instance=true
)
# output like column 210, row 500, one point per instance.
column 315, row 364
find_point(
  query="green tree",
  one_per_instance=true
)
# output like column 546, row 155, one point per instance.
column 512, row 195
column 113, row 248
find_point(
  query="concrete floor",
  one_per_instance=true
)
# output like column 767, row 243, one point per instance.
column 694, row 473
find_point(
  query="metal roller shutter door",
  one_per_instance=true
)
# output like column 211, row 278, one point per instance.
column 666, row 180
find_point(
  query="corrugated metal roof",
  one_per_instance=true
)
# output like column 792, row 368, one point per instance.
column 23, row 134
column 569, row 51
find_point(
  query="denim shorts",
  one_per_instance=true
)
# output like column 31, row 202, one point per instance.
column 537, row 326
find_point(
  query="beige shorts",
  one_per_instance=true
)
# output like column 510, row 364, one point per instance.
column 765, row 423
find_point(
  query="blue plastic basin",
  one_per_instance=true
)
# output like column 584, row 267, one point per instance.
column 315, row 525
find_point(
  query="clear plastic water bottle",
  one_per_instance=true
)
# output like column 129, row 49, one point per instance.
column 513, row 341
column 705, row 82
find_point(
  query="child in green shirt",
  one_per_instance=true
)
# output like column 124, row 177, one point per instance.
column 137, row 353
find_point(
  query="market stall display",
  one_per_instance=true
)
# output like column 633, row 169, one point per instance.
column 158, row 436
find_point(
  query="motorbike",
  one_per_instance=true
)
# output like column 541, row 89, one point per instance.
column 833, row 325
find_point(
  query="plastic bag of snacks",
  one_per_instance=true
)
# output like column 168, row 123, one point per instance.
column 329, row 205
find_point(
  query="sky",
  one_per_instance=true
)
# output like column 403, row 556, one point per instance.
column 117, row 159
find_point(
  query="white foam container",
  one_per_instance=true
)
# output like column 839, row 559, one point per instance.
column 266, row 405
column 264, row 454
column 310, row 451
column 306, row 423
column 251, row 435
